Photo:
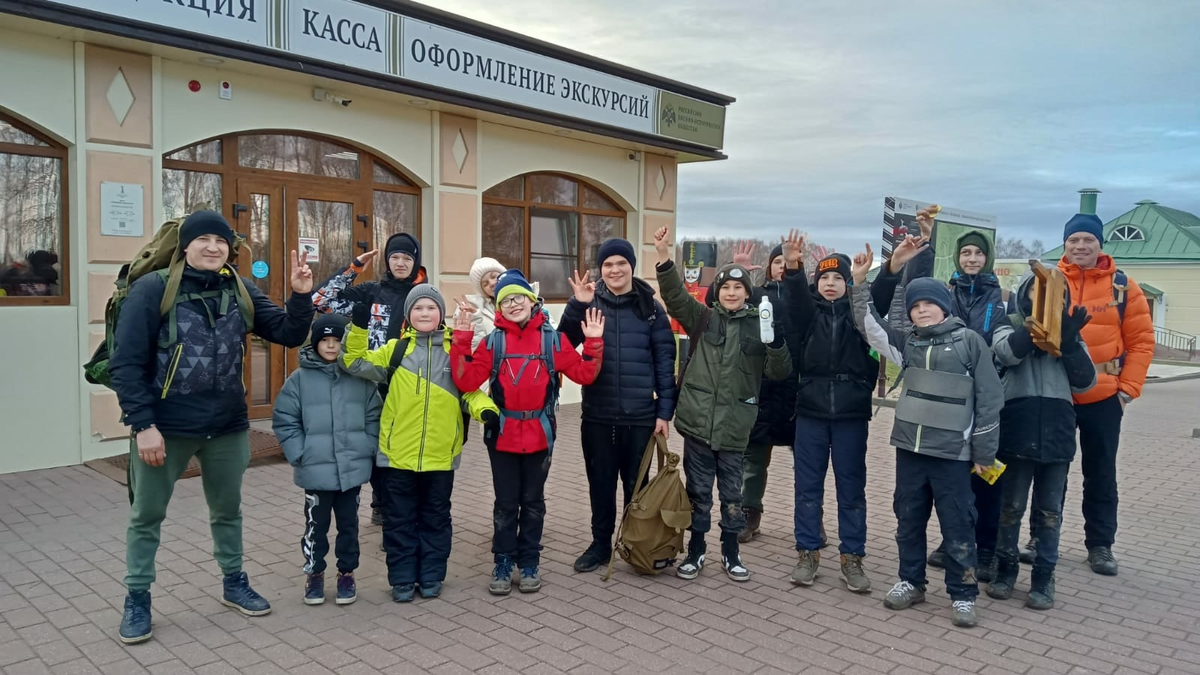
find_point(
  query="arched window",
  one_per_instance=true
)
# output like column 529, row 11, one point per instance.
column 1127, row 233
column 548, row 225
column 33, row 241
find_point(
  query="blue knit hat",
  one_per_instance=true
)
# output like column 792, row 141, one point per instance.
column 930, row 289
column 1085, row 222
column 513, row 282
column 615, row 246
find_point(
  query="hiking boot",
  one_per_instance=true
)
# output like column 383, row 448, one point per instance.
column 807, row 568
column 1004, row 580
column 135, row 623
column 596, row 555
column 1101, row 560
column 241, row 597
column 937, row 559
column 963, row 613
column 530, row 582
column 501, row 577
column 347, row 590
column 314, row 589
column 1029, row 553
column 431, row 590
column 985, row 565
column 694, row 562
column 376, row 516
column 1041, row 590
column 753, row 523
column 853, row 574
column 404, row 592
column 904, row 595
column 731, row 558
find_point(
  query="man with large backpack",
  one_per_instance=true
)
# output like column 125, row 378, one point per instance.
column 176, row 367
column 1120, row 340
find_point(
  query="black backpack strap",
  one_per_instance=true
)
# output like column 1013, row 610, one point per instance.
column 393, row 365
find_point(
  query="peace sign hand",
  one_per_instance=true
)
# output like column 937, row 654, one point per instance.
column 582, row 287
column 593, row 325
column 302, row 277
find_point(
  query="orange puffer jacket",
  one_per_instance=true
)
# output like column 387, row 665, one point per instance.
column 1107, row 337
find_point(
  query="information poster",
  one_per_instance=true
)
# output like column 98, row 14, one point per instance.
column 121, row 210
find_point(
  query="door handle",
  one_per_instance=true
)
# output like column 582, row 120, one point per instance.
column 238, row 209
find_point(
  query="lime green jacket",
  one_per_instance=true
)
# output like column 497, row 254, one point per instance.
column 421, row 428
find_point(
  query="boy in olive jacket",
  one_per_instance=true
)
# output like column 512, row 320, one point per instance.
column 718, row 399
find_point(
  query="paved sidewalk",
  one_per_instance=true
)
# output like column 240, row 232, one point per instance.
column 62, row 561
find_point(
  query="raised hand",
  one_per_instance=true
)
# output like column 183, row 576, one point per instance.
column 582, row 287
column 302, row 277
column 364, row 260
column 593, row 325
column 793, row 247
column 462, row 318
column 906, row 250
column 925, row 218
column 661, row 244
column 861, row 264
column 1073, row 321
column 743, row 254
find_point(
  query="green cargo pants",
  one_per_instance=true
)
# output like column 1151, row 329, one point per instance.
column 754, row 475
column 223, row 460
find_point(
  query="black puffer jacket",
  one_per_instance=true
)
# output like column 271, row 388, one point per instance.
column 836, row 368
column 776, row 424
column 636, row 385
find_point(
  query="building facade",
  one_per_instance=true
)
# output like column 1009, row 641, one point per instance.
column 324, row 125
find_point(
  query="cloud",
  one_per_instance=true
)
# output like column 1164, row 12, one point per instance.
column 1001, row 108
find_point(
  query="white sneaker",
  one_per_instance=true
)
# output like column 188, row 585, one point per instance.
column 690, row 569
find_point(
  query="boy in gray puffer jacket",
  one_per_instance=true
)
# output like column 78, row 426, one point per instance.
column 328, row 424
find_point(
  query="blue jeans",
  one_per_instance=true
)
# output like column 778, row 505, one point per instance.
column 817, row 440
column 922, row 484
column 1049, row 482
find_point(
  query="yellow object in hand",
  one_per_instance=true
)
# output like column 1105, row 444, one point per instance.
column 992, row 473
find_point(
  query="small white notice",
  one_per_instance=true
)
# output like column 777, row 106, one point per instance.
column 311, row 246
column 121, row 210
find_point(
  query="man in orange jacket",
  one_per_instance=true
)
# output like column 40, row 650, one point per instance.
column 1120, row 340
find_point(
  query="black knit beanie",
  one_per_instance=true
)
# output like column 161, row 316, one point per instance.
column 201, row 223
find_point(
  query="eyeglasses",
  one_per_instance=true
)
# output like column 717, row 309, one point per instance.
column 514, row 301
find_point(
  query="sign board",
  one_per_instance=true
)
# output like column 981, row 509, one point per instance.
column 700, row 261
column 311, row 246
column 388, row 44
column 1009, row 273
column 121, row 210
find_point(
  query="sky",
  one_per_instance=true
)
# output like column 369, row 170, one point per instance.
column 1005, row 108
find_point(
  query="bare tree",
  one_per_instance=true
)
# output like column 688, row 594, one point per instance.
column 1015, row 248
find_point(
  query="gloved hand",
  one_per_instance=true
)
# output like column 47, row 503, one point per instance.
column 1020, row 343
column 778, row 342
column 491, row 428
column 1073, row 321
column 361, row 314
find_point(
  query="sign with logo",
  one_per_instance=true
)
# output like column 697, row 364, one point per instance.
column 311, row 246
column 388, row 44
column 121, row 210
column 260, row 269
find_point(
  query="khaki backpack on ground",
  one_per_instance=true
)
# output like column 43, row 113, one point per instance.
column 651, row 532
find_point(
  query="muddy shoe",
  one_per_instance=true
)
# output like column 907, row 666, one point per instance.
column 963, row 613
column 904, row 595
column 985, row 568
column 753, row 523
column 1029, row 553
column 1004, row 580
column 1041, row 590
column 530, row 581
column 1101, row 560
column 596, row 555
column 502, row 577
column 937, row 559
column 314, row 589
column 853, row 574
column 807, row 568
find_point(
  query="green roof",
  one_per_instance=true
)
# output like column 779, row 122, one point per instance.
column 1152, row 291
column 1168, row 235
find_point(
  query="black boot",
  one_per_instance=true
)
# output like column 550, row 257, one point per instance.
column 1041, row 589
column 694, row 562
column 1005, row 578
column 985, row 564
column 731, row 558
column 937, row 559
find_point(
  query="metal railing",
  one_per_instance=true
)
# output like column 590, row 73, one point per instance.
column 1172, row 339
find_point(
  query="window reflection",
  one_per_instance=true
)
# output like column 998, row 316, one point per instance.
column 297, row 154
column 30, row 224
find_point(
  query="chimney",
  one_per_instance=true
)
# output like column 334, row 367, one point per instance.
column 1087, row 201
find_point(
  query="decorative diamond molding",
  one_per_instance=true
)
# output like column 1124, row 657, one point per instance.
column 120, row 97
column 459, row 150
column 660, row 182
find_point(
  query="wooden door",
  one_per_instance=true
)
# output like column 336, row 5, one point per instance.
column 259, row 215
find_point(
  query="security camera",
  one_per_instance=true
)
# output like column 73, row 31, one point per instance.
column 325, row 95
column 635, row 156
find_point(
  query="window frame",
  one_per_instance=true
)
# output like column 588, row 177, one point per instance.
column 528, row 206
column 1127, row 232
column 54, row 150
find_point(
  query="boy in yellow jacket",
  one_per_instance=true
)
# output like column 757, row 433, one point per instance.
column 420, row 438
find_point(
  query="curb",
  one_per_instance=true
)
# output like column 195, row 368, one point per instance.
column 1173, row 378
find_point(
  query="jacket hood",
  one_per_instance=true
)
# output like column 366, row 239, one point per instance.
column 308, row 358
column 948, row 326
column 975, row 238
column 418, row 274
column 1105, row 266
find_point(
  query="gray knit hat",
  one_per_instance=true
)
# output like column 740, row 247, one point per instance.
column 424, row 291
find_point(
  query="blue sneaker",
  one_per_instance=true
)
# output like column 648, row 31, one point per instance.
column 501, row 576
column 314, row 589
column 241, row 597
column 347, row 591
column 135, row 624
column 530, row 583
column 404, row 592
column 431, row 589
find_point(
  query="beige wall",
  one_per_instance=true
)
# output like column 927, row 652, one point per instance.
column 1180, row 285
column 46, row 101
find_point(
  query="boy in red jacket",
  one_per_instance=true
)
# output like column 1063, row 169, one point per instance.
column 522, row 359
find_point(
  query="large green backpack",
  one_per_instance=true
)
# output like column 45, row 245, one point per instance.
column 161, row 257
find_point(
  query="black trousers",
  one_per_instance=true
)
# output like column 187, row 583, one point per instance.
column 610, row 452
column 519, row 481
column 417, row 530
column 922, row 484
column 321, row 507
column 701, row 466
column 1099, row 433
column 378, row 487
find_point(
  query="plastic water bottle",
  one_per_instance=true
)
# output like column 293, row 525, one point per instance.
column 766, row 320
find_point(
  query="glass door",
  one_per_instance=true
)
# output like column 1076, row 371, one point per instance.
column 259, row 216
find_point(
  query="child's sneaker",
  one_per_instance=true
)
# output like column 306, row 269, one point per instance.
column 530, row 582
column 692, row 564
column 404, row 592
column 807, row 567
column 347, row 590
column 853, row 574
column 502, row 577
column 963, row 613
column 430, row 590
column 314, row 589
column 904, row 595
column 731, row 559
